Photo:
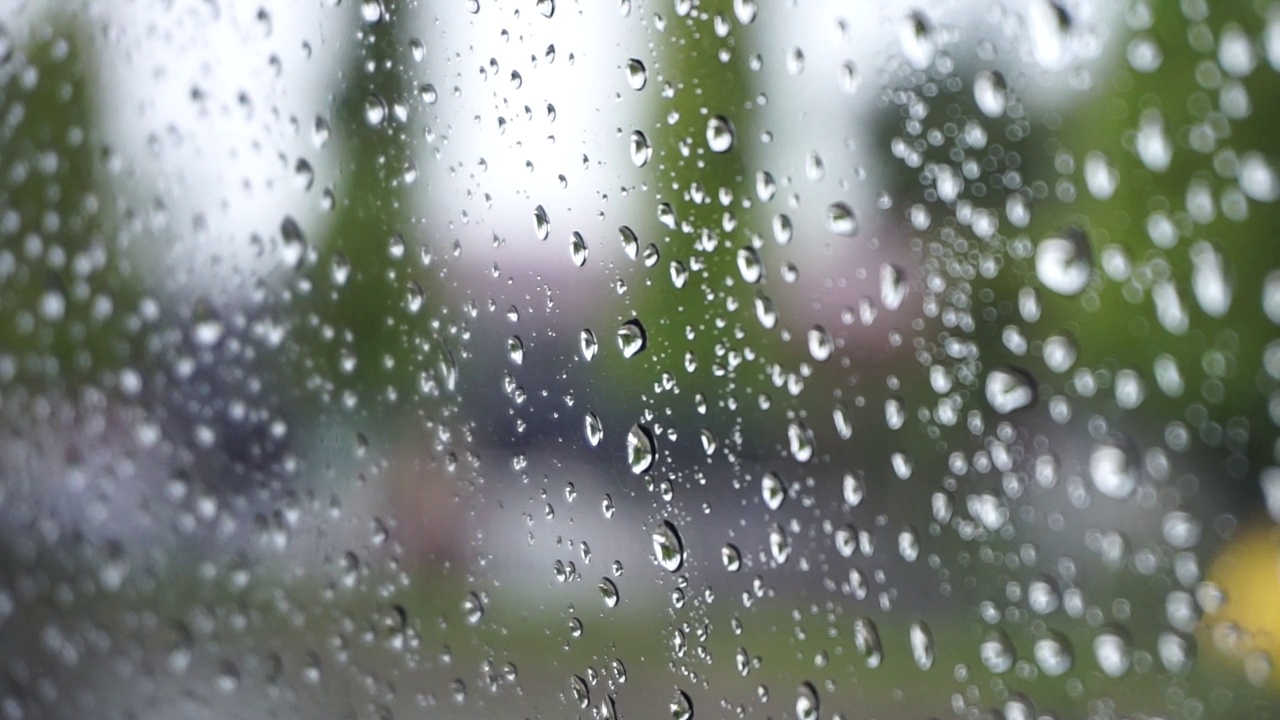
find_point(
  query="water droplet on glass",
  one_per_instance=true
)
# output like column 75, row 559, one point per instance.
column 1112, row 651
column 749, row 265
column 1100, row 176
column 472, row 609
column 720, row 134
column 594, row 429
column 1053, row 654
column 996, row 652
column 1009, row 389
column 922, row 650
column 640, row 449
column 1209, row 279
column 608, row 591
column 772, row 490
column 908, row 544
column 1064, row 262
column 632, row 338
column 637, row 76
column 854, row 490
column 580, row 691
column 515, row 350
column 1112, row 470
column 800, row 440
column 893, row 286
column 866, row 640
column 587, row 344
column 578, row 249
column 779, row 544
column 820, row 344
column 547, row 8
column 731, row 557
column 668, row 546
column 841, row 220
column 541, row 223
column 640, row 149
column 807, row 705
column 850, row 78
column 915, row 34
column 990, row 92
column 681, row 706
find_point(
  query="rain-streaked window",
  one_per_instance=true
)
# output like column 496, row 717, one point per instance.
column 626, row 359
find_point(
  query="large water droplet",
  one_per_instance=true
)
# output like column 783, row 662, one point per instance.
column 800, row 440
column 893, row 286
column 632, row 338
column 820, row 344
column 1064, row 262
column 720, row 134
column 594, row 429
column 637, row 76
column 541, row 223
column 779, row 544
column 1053, row 654
column 587, row 344
column 578, row 249
column 640, row 449
column 866, row 640
column 668, row 546
column 1009, row 389
column 640, row 149
column 749, row 265
column 922, row 650
column 996, row 652
column 1112, row 470
column 841, row 219
column 916, row 35
column 681, row 706
column 990, row 92
column 609, row 592
column 772, row 490
column 807, row 703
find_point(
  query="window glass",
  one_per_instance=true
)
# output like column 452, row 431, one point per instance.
column 701, row 358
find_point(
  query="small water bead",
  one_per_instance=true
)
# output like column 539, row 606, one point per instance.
column 916, row 37
column 720, row 134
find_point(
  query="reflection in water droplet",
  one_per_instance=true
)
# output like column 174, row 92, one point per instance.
column 893, row 286
column 772, row 490
column 632, row 338
column 996, row 652
column 922, row 650
column 587, row 343
column 841, row 220
column 578, row 249
column 908, row 544
column 547, row 8
column 720, row 134
column 640, row 449
column 779, row 544
column 1064, row 262
column 581, row 693
column 1009, row 389
column 472, row 609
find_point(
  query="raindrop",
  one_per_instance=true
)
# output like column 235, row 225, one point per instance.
column 1063, row 262
column 772, row 490
column 632, row 338
column 541, row 223
column 749, row 265
column 640, row 449
column 594, row 429
column 807, row 705
column 908, row 544
column 1209, row 280
column 578, row 249
column 866, row 639
column 841, row 220
column 820, row 344
column 1009, row 389
column 800, row 440
column 915, row 34
column 472, row 609
column 608, row 591
column 893, row 286
column 668, row 546
column 515, row 350
column 637, row 76
column 1112, row 470
column 991, row 92
column 720, row 134
column 922, row 650
column 547, row 8
column 641, row 151
column 1111, row 649
column 1053, row 654
column 779, row 544
column 996, row 652
column 731, row 557
column 681, row 706
column 580, row 691
column 587, row 344
column 854, row 490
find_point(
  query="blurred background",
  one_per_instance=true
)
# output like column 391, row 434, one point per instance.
column 721, row 358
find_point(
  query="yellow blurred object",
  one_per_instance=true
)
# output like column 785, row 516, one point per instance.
column 1241, row 602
